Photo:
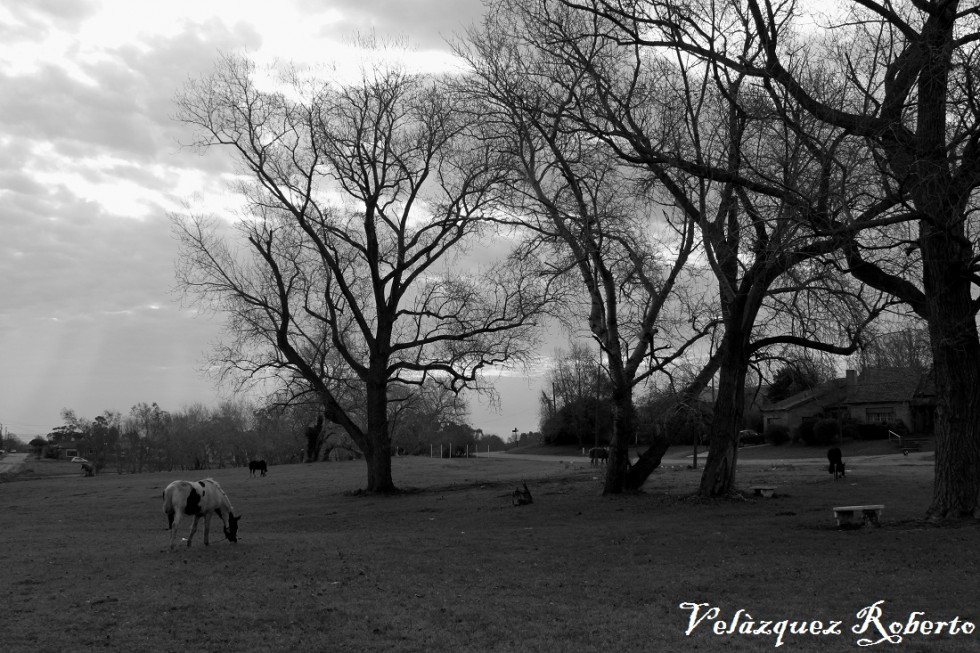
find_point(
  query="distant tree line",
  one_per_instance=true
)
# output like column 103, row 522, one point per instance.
column 149, row 438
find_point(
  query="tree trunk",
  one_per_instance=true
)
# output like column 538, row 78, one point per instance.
column 648, row 461
column 718, row 478
column 378, row 459
column 377, row 445
column 956, row 365
column 623, row 431
column 314, row 438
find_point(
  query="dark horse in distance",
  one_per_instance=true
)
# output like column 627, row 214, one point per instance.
column 836, row 463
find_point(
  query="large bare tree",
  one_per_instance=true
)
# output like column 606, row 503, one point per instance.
column 764, row 199
column 900, row 80
column 360, row 196
column 591, row 218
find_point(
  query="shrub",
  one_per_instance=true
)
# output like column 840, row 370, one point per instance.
column 777, row 434
column 804, row 433
column 872, row 431
column 826, row 431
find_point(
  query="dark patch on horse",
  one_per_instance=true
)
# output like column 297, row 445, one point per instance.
column 193, row 506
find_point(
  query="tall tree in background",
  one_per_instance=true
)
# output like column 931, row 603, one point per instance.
column 796, row 373
column 907, row 348
column 899, row 80
column 763, row 198
column 577, row 385
column 591, row 218
column 360, row 196
column 146, row 432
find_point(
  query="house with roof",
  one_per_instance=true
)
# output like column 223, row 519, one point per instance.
column 877, row 395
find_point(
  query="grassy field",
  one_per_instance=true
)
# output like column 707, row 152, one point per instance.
column 451, row 565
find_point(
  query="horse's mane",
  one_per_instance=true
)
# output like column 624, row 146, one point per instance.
column 220, row 489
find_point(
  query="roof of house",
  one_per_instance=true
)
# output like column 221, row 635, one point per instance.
column 884, row 385
column 873, row 386
column 827, row 393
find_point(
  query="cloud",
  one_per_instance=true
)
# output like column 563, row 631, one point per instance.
column 427, row 23
column 91, row 162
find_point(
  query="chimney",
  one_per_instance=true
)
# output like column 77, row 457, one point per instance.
column 852, row 378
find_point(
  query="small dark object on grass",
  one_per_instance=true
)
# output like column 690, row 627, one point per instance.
column 523, row 497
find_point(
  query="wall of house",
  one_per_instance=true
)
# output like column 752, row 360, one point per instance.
column 882, row 413
column 792, row 419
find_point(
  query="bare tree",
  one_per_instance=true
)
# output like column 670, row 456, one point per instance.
column 359, row 197
column 906, row 348
column 899, row 80
column 766, row 200
column 593, row 219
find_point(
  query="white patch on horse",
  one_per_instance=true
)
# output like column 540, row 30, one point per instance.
column 201, row 499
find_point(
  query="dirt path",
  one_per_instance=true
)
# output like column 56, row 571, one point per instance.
column 677, row 456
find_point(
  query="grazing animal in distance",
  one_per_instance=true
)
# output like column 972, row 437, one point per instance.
column 257, row 466
column 598, row 453
column 836, row 463
column 88, row 469
column 522, row 497
column 199, row 499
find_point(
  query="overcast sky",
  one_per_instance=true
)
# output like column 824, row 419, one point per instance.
column 91, row 164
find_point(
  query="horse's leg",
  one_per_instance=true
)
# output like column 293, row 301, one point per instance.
column 207, row 529
column 174, row 523
column 190, row 537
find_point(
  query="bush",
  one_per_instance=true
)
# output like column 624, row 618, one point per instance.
column 804, row 433
column 826, row 431
column 872, row 431
column 777, row 434
column 819, row 433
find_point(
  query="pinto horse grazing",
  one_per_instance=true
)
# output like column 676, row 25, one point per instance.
column 257, row 466
column 199, row 499
column 836, row 463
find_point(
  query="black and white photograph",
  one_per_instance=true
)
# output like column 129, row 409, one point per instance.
column 490, row 326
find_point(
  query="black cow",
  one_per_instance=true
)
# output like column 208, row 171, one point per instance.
column 257, row 466
column 836, row 463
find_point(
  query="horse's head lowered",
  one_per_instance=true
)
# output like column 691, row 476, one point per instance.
column 231, row 530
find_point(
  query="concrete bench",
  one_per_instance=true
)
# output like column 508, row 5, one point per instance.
column 845, row 515
column 763, row 490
